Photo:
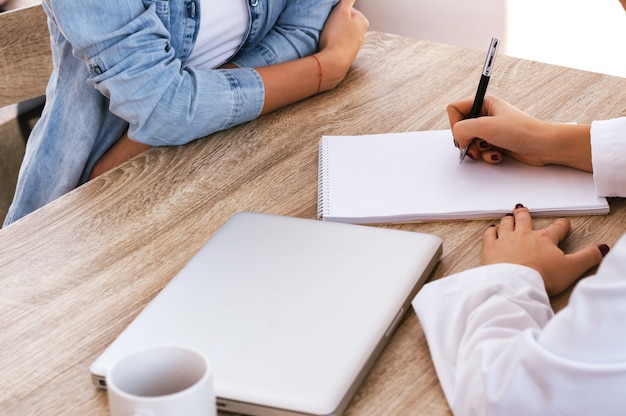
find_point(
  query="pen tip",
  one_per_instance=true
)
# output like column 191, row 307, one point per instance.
column 462, row 155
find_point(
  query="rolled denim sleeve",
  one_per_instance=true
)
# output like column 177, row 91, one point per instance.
column 127, row 51
column 295, row 34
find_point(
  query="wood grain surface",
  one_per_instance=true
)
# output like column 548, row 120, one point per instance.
column 74, row 274
column 25, row 57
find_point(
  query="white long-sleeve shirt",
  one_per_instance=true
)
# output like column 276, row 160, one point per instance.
column 499, row 349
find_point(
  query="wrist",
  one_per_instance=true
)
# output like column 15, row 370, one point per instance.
column 569, row 145
column 332, row 69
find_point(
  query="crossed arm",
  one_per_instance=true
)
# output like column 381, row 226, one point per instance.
column 288, row 82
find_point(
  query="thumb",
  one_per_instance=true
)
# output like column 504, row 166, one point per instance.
column 573, row 267
column 587, row 257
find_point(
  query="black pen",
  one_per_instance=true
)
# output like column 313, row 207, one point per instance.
column 482, row 86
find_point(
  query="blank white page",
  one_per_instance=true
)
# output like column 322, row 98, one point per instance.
column 417, row 176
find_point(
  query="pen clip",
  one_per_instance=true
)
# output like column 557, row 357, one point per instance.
column 491, row 57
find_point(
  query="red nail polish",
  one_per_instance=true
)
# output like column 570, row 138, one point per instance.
column 495, row 158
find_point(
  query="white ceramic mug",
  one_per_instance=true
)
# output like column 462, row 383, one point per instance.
column 161, row 381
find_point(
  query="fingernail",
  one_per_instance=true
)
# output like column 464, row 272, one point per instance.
column 604, row 249
column 495, row 158
column 519, row 206
column 484, row 145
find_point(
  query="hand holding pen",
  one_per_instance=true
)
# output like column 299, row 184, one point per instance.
column 482, row 85
column 507, row 130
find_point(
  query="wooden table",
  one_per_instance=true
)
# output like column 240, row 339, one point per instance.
column 75, row 273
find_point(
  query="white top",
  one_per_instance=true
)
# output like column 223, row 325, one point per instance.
column 223, row 28
column 497, row 346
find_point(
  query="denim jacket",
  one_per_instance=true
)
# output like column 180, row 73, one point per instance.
column 118, row 65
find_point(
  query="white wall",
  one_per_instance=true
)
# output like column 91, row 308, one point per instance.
column 584, row 34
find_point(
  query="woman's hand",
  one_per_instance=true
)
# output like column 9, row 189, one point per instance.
column 340, row 42
column 503, row 129
column 515, row 241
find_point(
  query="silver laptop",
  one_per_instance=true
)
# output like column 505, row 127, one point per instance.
column 291, row 312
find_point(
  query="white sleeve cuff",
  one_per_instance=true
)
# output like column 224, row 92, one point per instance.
column 608, row 156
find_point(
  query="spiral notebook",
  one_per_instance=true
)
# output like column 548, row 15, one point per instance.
column 416, row 176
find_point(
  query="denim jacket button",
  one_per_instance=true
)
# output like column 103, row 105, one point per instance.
column 254, row 2
column 191, row 10
column 97, row 70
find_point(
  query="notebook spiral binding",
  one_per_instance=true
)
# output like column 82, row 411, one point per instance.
column 323, row 188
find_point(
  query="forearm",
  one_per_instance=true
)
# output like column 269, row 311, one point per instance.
column 293, row 81
column 498, row 350
column 283, row 84
column 340, row 41
column 289, row 82
column 475, row 323
column 123, row 150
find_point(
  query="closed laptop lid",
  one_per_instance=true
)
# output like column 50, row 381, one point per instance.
column 291, row 312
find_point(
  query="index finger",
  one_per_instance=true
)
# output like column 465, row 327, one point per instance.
column 558, row 230
column 459, row 110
